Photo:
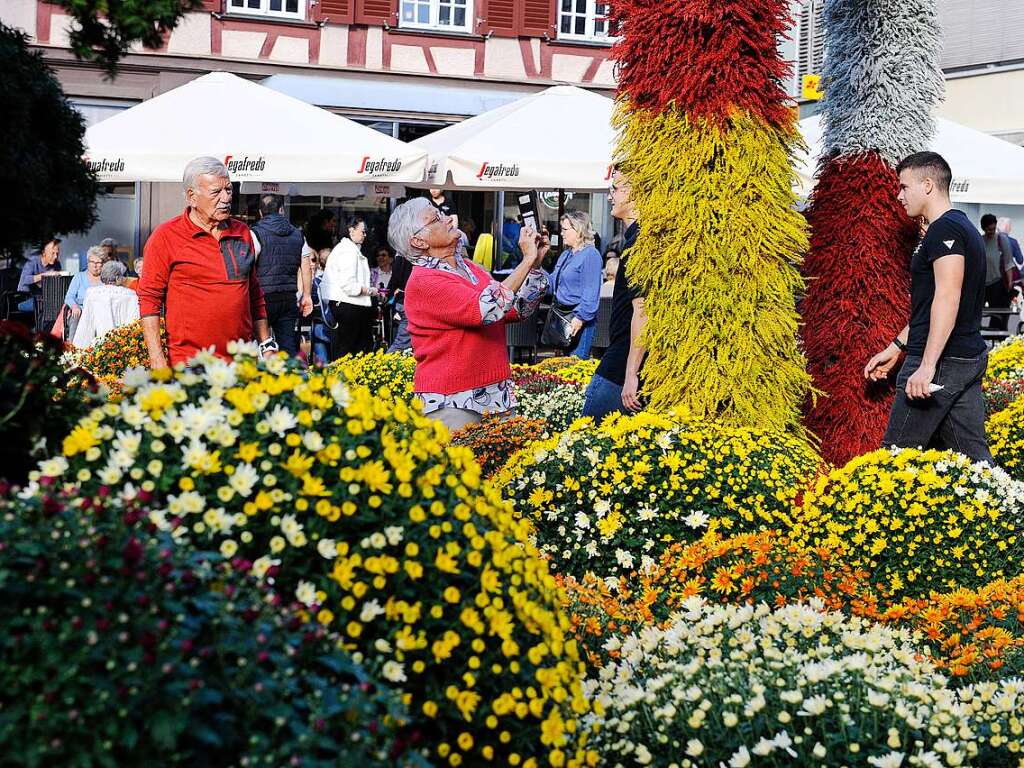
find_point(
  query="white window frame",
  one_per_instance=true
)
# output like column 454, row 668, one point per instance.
column 435, row 24
column 589, row 35
column 264, row 10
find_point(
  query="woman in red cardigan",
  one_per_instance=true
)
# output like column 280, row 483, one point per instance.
column 457, row 314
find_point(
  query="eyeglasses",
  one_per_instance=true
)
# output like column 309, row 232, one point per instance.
column 430, row 223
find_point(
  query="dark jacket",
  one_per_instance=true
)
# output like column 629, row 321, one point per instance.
column 280, row 254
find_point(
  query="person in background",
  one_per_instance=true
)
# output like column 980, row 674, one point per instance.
column 133, row 282
column 939, row 401
column 380, row 275
column 999, row 270
column 576, row 279
column 199, row 265
column 457, row 315
column 439, row 200
column 279, row 260
column 1005, row 226
column 45, row 262
column 616, row 382
column 82, row 283
column 401, row 269
column 611, row 266
column 108, row 306
column 321, row 230
column 347, row 286
column 319, row 336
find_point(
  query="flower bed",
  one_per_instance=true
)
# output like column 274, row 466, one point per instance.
column 118, row 350
column 971, row 634
column 918, row 521
column 549, row 397
column 1006, row 438
column 610, row 499
column 40, row 399
column 733, row 686
column 385, row 374
column 493, row 440
column 1006, row 360
column 421, row 568
column 999, row 394
column 120, row 648
column 570, row 368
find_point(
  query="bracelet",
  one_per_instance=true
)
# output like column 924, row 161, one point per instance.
column 899, row 344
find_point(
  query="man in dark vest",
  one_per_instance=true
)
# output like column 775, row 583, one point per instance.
column 280, row 265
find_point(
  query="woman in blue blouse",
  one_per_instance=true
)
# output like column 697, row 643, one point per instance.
column 82, row 282
column 576, row 278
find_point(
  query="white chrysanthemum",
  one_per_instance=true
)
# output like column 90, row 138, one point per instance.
column 135, row 377
column 370, row 611
column 221, row 373
column 262, row 565
column 305, row 593
column 327, row 548
column 244, row 479
column 281, row 420
column 54, row 467
column 696, row 519
column 313, row 442
column 394, row 671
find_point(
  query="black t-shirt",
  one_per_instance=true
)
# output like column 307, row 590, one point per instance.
column 951, row 233
column 613, row 363
column 444, row 206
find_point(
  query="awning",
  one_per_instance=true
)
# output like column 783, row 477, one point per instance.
column 382, row 96
column 260, row 134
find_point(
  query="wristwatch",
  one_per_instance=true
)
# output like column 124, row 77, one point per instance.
column 899, row 344
column 268, row 346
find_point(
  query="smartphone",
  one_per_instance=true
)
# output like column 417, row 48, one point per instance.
column 528, row 210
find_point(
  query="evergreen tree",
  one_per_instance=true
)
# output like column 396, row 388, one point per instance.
column 50, row 187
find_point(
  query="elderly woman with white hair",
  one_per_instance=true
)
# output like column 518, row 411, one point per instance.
column 457, row 314
column 108, row 306
column 200, row 270
column 82, row 283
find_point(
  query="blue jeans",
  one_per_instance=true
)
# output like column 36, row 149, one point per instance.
column 402, row 340
column 603, row 397
column 28, row 305
column 320, row 342
column 584, row 340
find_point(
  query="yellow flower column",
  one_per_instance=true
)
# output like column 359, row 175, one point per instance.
column 706, row 140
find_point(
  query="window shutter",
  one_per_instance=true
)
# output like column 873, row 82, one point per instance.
column 499, row 17
column 537, row 18
column 337, row 11
column 376, row 12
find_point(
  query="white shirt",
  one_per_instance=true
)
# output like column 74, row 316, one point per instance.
column 106, row 307
column 346, row 275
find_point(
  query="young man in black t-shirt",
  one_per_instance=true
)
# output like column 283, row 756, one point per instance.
column 615, row 385
column 938, row 390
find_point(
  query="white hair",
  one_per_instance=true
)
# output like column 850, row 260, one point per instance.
column 406, row 220
column 202, row 166
column 1004, row 224
column 112, row 273
column 97, row 252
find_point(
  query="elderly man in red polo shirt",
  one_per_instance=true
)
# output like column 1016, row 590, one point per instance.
column 200, row 266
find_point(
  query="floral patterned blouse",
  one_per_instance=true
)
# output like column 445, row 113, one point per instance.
column 496, row 302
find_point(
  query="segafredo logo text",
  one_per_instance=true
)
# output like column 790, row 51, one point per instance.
column 379, row 167
column 245, row 165
column 115, row 165
column 499, row 171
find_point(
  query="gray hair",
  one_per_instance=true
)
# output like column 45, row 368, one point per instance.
column 406, row 221
column 202, row 166
column 1005, row 224
column 580, row 222
column 112, row 273
column 97, row 252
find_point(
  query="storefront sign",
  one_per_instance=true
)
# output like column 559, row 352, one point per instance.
column 812, row 88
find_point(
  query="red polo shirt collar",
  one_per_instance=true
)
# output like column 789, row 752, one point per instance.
column 234, row 228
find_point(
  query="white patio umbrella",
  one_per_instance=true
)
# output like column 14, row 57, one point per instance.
column 260, row 134
column 985, row 169
column 560, row 138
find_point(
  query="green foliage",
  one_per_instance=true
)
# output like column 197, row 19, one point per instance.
column 123, row 649
column 36, row 408
column 105, row 30
column 53, row 188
